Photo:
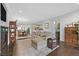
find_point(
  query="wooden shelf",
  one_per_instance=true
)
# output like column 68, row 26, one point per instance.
column 12, row 31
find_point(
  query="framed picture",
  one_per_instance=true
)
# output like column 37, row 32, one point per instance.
column 46, row 25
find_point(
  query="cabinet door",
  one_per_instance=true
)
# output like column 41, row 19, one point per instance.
column 75, row 42
column 71, row 36
column 67, row 36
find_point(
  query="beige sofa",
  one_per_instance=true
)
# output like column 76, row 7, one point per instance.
column 39, row 42
column 39, row 39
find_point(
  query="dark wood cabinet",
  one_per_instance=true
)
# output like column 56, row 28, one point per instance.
column 71, row 36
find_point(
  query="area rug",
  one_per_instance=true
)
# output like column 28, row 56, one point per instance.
column 24, row 48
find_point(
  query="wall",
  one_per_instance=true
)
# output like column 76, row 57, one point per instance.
column 8, row 17
column 52, row 26
column 2, row 23
column 0, row 29
column 67, row 19
column 63, row 20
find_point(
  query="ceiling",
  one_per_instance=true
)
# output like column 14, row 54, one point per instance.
column 34, row 12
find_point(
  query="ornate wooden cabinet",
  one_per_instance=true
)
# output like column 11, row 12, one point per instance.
column 71, row 36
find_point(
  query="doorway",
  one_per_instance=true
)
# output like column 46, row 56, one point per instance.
column 57, row 32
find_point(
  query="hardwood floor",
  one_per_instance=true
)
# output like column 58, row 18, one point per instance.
column 64, row 50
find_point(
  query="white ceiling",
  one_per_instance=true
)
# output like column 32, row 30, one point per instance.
column 34, row 12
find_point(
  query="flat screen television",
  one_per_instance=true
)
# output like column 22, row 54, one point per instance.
column 3, row 13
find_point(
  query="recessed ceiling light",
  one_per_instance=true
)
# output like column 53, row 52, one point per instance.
column 54, row 22
column 20, row 11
